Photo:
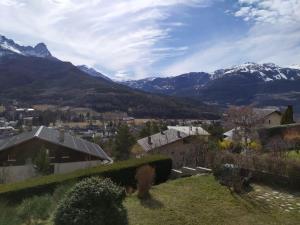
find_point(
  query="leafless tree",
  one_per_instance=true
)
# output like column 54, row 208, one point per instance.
column 292, row 138
column 244, row 120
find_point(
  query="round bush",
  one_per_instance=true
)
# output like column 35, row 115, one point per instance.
column 93, row 201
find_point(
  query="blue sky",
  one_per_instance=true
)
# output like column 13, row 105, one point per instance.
column 134, row 39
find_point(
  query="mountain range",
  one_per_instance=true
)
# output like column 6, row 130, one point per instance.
column 250, row 83
column 32, row 75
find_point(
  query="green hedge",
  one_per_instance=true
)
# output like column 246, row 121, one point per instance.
column 122, row 173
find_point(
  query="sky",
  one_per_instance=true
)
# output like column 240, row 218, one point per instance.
column 134, row 39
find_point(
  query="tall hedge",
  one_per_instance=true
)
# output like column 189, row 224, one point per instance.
column 122, row 173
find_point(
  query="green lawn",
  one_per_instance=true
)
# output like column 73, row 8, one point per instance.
column 201, row 200
column 190, row 201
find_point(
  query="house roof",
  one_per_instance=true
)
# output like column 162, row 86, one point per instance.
column 53, row 136
column 190, row 130
column 161, row 139
column 262, row 113
column 230, row 132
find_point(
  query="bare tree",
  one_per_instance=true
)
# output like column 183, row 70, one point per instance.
column 292, row 138
column 244, row 120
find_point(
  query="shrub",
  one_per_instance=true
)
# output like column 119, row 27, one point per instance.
column 38, row 207
column 145, row 177
column 225, row 145
column 42, row 162
column 255, row 146
column 122, row 173
column 93, row 201
column 8, row 214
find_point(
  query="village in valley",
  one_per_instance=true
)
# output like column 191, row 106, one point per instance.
column 145, row 112
column 242, row 149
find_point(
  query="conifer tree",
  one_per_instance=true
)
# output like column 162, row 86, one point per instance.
column 288, row 116
column 123, row 143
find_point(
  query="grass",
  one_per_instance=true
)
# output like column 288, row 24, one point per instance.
column 194, row 200
column 201, row 200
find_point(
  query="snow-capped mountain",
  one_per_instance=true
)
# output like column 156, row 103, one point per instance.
column 9, row 47
column 266, row 72
column 171, row 85
column 92, row 72
column 262, row 84
column 295, row 66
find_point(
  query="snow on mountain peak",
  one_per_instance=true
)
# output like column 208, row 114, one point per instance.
column 8, row 47
column 266, row 72
column 92, row 72
column 295, row 66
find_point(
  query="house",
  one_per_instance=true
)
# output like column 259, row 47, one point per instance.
column 229, row 135
column 66, row 152
column 7, row 131
column 268, row 117
column 182, row 144
column 264, row 117
column 190, row 130
column 129, row 121
column 2, row 108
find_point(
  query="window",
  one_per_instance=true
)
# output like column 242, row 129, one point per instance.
column 11, row 157
column 65, row 155
column 269, row 121
column 51, row 154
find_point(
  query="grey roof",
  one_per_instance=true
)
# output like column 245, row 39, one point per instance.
column 52, row 135
column 159, row 139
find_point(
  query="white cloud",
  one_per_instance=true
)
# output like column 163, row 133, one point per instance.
column 273, row 37
column 270, row 11
column 120, row 36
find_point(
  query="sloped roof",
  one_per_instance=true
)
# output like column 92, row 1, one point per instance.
column 262, row 113
column 52, row 135
column 161, row 139
column 190, row 130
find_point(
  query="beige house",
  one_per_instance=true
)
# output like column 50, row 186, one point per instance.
column 268, row 117
column 182, row 144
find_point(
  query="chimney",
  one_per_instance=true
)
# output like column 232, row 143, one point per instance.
column 178, row 134
column 149, row 140
column 61, row 135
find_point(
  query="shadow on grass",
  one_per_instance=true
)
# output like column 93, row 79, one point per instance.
column 151, row 203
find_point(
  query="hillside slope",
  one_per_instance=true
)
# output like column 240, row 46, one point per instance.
column 39, row 80
column 249, row 83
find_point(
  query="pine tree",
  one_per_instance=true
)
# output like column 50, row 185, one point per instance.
column 146, row 131
column 154, row 128
column 123, row 143
column 288, row 116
